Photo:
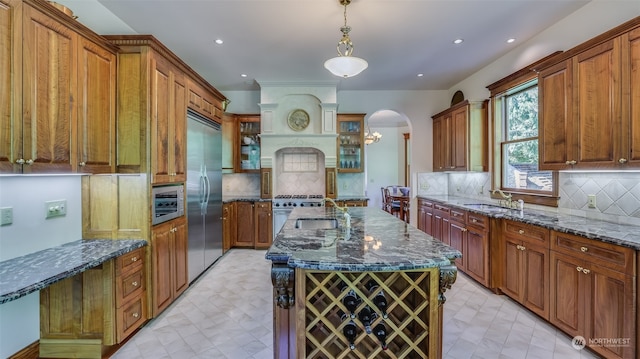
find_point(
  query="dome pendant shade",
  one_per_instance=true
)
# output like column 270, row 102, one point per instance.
column 345, row 66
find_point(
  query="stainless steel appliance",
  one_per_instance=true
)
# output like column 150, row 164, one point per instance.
column 168, row 203
column 204, row 193
column 283, row 204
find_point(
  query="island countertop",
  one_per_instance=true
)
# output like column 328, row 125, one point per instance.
column 376, row 241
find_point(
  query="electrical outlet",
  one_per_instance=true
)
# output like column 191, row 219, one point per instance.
column 591, row 201
column 480, row 189
column 6, row 216
column 57, row 208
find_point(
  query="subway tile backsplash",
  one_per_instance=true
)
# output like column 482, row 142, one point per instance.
column 617, row 193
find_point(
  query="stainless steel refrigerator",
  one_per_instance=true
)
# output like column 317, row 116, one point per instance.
column 204, row 193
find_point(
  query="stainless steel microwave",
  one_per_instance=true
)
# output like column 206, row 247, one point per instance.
column 168, row 203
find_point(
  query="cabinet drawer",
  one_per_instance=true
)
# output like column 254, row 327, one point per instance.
column 130, row 317
column 424, row 203
column 458, row 215
column 129, row 261
column 527, row 232
column 477, row 220
column 608, row 255
column 129, row 286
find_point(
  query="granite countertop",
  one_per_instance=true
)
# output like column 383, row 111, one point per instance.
column 35, row 271
column 609, row 232
column 256, row 198
column 376, row 241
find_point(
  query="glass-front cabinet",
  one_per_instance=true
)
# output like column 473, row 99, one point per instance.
column 248, row 143
column 350, row 142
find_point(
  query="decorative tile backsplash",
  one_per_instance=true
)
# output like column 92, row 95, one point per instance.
column 617, row 193
column 241, row 184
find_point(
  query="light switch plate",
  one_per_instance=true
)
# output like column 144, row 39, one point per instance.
column 6, row 216
column 591, row 201
column 57, row 208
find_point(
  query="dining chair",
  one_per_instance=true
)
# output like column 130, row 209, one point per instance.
column 392, row 206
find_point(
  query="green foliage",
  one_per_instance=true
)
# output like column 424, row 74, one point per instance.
column 522, row 123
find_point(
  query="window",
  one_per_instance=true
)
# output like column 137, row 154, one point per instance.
column 515, row 133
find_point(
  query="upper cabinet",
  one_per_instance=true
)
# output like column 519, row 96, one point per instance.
column 586, row 103
column 58, row 111
column 460, row 138
column 350, row 142
column 247, row 143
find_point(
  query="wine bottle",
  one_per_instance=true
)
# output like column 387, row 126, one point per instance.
column 380, row 300
column 351, row 301
column 380, row 331
column 367, row 316
column 350, row 331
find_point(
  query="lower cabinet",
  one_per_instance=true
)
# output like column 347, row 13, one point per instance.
column 526, row 266
column 477, row 249
column 593, row 293
column 169, row 271
column 353, row 203
column 250, row 224
column 83, row 316
column 425, row 216
column 228, row 226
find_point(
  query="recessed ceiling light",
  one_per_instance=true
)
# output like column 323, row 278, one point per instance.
column 243, row 75
column 511, row 40
column 219, row 41
column 420, row 75
column 458, row 41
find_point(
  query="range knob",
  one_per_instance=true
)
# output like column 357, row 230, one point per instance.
column 295, row 205
column 277, row 204
column 301, row 204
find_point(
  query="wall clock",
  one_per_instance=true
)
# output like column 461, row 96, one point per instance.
column 298, row 120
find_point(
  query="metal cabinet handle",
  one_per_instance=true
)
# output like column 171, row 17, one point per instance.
column 572, row 162
column 135, row 315
column 584, row 249
column 82, row 164
column 29, row 162
column 521, row 231
column 474, row 220
column 586, row 271
column 134, row 259
column 622, row 160
column 579, row 269
column 134, row 283
column 20, row 161
column 464, row 229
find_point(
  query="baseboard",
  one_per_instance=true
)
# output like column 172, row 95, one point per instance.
column 32, row 351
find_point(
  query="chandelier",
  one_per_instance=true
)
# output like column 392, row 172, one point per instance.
column 345, row 65
column 370, row 138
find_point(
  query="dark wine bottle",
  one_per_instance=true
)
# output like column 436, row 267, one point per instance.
column 380, row 300
column 350, row 332
column 380, row 331
column 367, row 316
column 351, row 301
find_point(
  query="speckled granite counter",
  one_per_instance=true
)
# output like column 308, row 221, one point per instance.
column 621, row 234
column 376, row 241
column 29, row 273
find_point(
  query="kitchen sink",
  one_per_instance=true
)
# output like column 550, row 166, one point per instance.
column 316, row 223
column 487, row 207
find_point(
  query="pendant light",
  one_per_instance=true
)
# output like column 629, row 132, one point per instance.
column 345, row 65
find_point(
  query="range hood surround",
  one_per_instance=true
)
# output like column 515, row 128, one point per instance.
column 277, row 101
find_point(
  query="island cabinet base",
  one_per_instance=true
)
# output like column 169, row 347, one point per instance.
column 317, row 317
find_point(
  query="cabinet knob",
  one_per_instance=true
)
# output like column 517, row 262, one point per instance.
column 579, row 269
column 29, row 162
column 572, row 162
column 584, row 249
column 134, row 259
column 20, row 161
column 622, row 160
column 474, row 220
column 523, row 248
column 586, row 271
column 134, row 283
column 521, row 231
column 135, row 315
column 464, row 229
column 82, row 164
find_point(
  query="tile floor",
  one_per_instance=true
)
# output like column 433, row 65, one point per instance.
column 226, row 313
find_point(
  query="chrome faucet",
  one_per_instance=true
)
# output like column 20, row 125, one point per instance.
column 345, row 211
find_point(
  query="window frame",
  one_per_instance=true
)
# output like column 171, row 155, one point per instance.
column 517, row 81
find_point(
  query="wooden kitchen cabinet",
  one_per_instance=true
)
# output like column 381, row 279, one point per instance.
column 477, row 262
column 112, row 298
column 460, row 138
column 247, row 143
column 441, row 226
column 203, row 101
column 228, row 226
column 59, row 114
column 586, row 103
column 458, row 236
column 425, row 216
column 593, row 292
column 264, row 225
column 350, row 142
column 245, row 226
column 526, row 265
column 169, row 263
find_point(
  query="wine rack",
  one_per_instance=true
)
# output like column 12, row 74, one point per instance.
column 411, row 323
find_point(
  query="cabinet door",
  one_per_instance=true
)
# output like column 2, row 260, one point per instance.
column 96, row 108
column 264, row 225
column 512, row 269
column 477, row 255
column 458, row 239
column 178, row 130
column 228, row 226
column 49, row 80
column 597, row 85
column 245, row 226
column 248, row 143
column 441, row 143
column 631, row 110
column 568, row 288
column 179, row 251
column 161, row 262
column 459, row 119
column 10, row 90
column 350, row 142
column 160, row 114
column 555, row 116
column 536, row 279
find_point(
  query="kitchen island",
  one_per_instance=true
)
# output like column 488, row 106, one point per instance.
column 371, row 288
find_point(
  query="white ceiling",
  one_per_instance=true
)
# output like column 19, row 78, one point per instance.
column 289, row 40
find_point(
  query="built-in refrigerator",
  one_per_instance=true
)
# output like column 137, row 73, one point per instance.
column 204, row 193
